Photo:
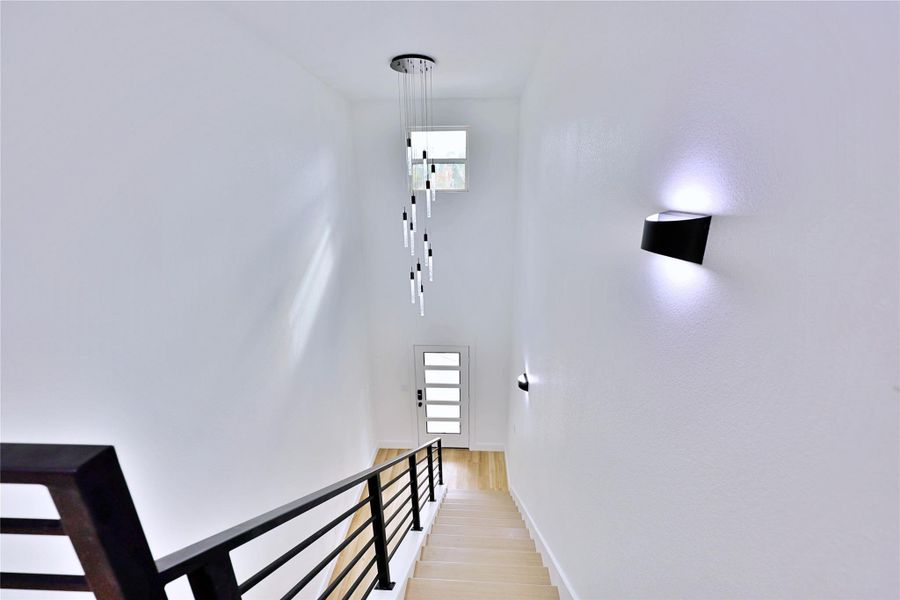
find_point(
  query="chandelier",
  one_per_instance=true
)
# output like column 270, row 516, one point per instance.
column 414, row 75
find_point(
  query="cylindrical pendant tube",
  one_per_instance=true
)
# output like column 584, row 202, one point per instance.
column 425, row 244
column 412, row 287
column 430, row 265
column 405, row 230
column 409, row 156
column 418, row 273
column 413, row 210
column 421, row 301
column 428, row 199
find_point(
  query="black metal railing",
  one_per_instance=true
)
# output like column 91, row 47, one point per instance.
column 97, row 514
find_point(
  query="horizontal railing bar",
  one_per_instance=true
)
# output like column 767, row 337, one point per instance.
column 358, row 580
column 393, row 535
column 394, row 480
column 423, row 460
column 444, row 402
column 422, row 496
column 41, row 581
column 346, row 570
column 397, row 495
column 393, row 516
column 190, row 558
column 31, row 526
column 324, row 562
column 281, row 560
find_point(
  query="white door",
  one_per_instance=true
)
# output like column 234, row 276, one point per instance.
column 442, row 394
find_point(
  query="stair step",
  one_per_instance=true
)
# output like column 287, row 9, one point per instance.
column 480, row 508
column 480, row 556
column 480, row 521
column 474, row 514
column 455, row 493
column 445, row 589
column 479, row 498
column 468, row 541
column 498, row 532
column 533, row 575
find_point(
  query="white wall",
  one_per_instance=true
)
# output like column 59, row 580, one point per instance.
column 472, row 233
column 180, row 252
column 726, row 430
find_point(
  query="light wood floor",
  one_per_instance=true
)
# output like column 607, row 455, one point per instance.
column 463, row 470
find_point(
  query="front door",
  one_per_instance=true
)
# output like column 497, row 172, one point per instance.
column 442, row 394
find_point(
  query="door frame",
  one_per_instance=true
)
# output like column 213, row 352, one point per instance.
column 470, row 404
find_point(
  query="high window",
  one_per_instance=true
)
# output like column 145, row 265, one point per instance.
column 448, row 149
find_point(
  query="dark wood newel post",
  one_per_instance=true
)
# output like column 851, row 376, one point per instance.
column 215, row 580
column 382, row 560
column 96, row 512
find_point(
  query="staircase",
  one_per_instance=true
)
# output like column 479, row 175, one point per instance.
column 479, row 549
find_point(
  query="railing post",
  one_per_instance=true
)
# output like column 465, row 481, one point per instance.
column 440, row 463
column 430, row 476
column 96, row 511
column 215, row 580
column 382, row 561
column 414, row 493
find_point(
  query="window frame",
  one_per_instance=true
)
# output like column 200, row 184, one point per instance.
column 448, row 161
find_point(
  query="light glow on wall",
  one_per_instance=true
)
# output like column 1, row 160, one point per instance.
column 310, row 293
column 697, row 186
column 678, row 284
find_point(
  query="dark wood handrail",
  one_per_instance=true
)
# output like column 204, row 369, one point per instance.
column 187, row 559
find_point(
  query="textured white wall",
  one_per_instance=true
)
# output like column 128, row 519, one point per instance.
column 468, row 303
column 180, row 268
column 726, row 430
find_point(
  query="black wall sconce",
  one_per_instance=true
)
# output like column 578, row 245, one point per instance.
column 523, row 382
column 677, row 234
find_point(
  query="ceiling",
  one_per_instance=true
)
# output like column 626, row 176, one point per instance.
column 482, row 49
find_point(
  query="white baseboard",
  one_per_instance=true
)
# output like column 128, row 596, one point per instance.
column 557, row 575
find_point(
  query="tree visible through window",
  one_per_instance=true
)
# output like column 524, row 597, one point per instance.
column 447, row 148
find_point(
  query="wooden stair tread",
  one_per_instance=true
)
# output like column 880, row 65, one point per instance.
column 493, row 510
column 535, row 575
column 480, row 556
column 479, row 522
column 479, row 514
column 446, row 589
column 482, row 531
column 467, row 541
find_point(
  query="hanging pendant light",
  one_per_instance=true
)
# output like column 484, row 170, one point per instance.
column 421, row 300
column 405, row 229
column 416, row 116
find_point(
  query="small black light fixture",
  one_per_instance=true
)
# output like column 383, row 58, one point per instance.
column 523, row 382
column 680, row 235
